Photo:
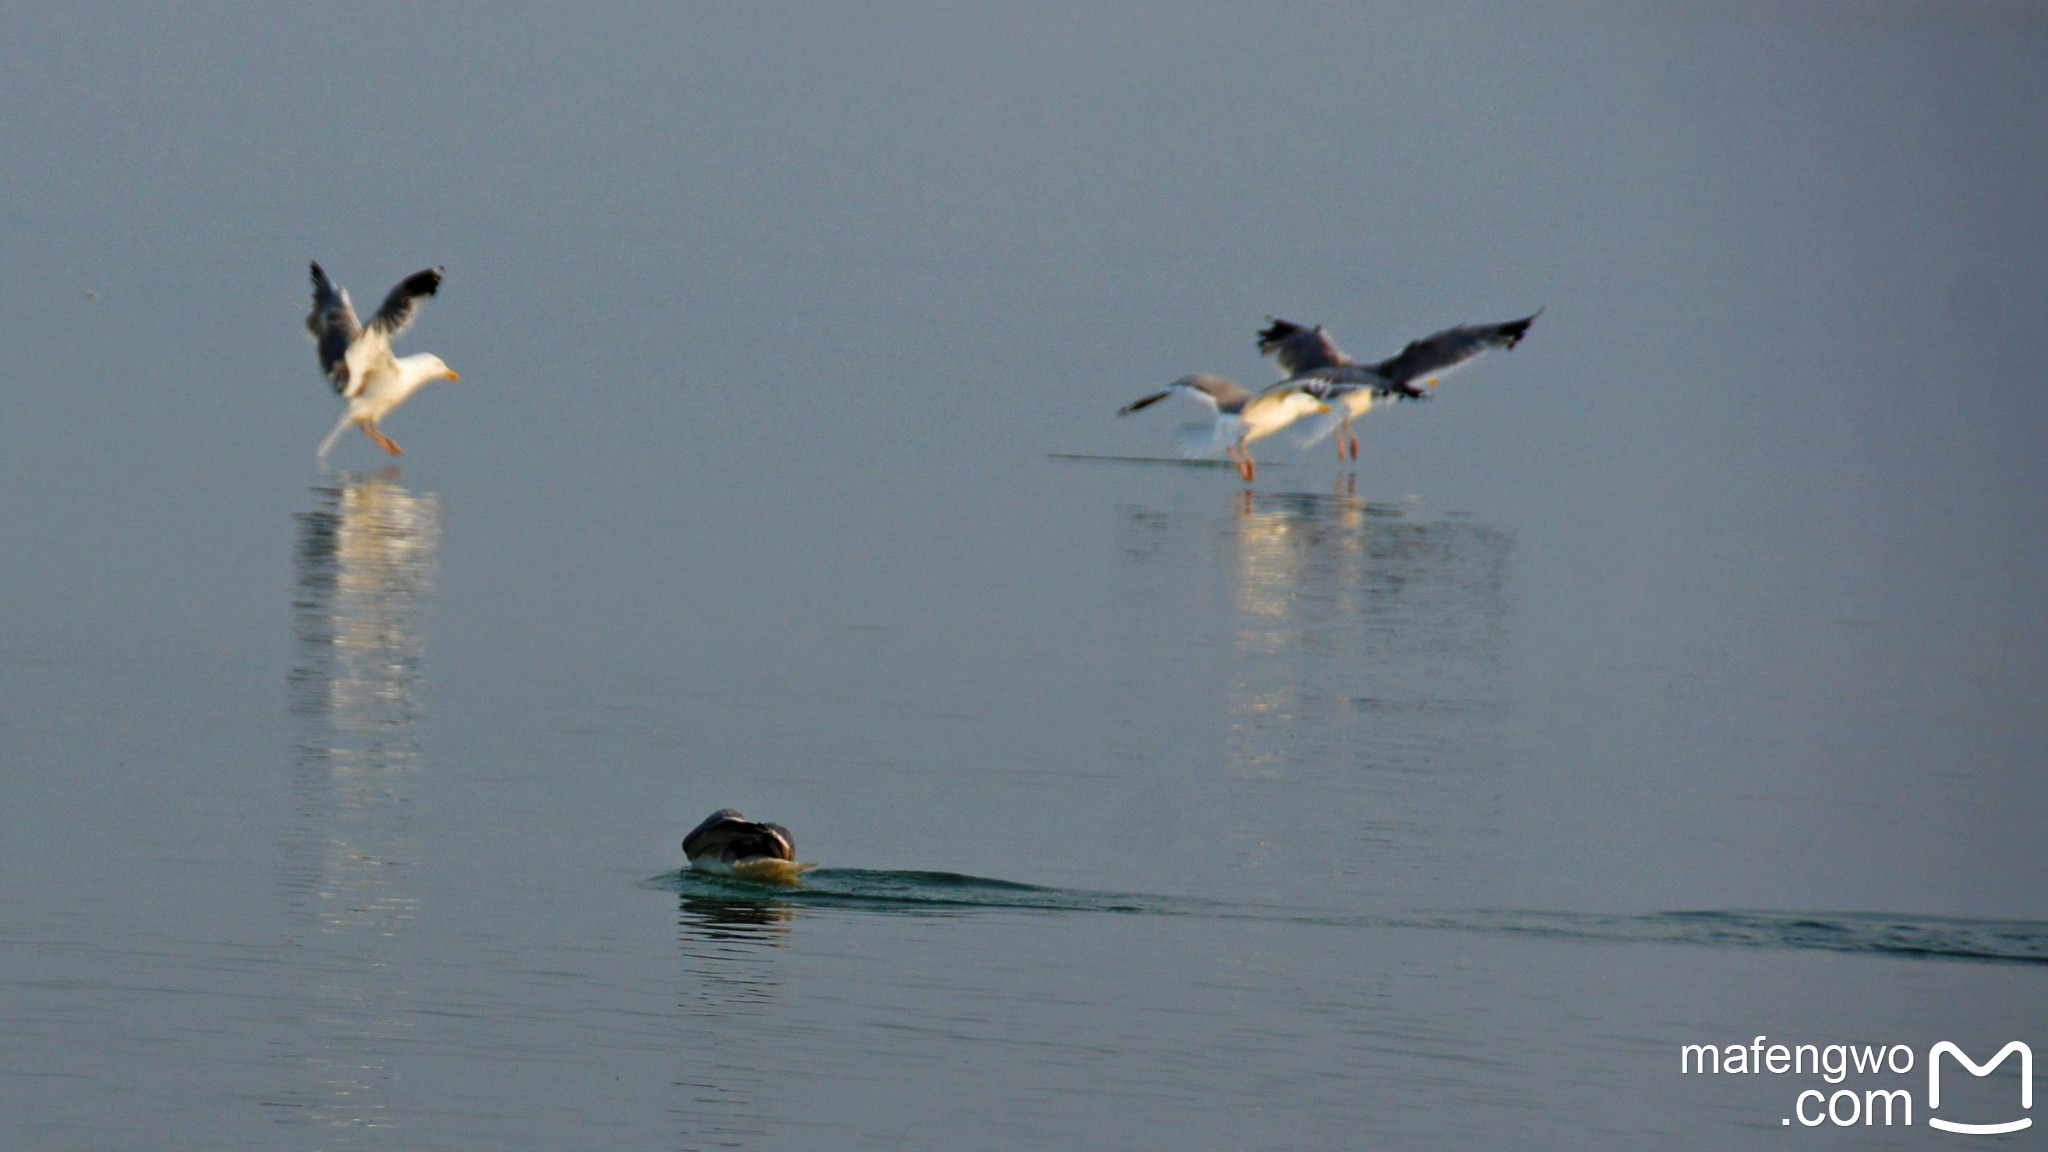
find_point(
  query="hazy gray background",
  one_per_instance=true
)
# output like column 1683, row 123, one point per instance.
column 331, row 801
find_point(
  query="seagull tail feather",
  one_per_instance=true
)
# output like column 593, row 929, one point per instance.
column 327, row 445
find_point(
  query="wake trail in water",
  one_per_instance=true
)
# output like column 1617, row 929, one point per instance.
column 953, row 893
column 1951, row 938
column 915, row 891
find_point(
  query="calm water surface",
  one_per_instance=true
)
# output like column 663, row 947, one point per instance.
column 1673, row 679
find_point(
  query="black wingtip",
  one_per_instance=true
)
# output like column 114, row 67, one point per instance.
column 426, row 282
column 1277, row 332
column 1142, row 402
column 1513, row 331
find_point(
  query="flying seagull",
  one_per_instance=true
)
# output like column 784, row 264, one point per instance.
column 1309, row 358
column 357, row 357
column 729, row 844
column 1251, row 416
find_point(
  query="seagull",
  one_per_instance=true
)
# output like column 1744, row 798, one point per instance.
column 357, row 357
column 729, row 844
column 1310, row 359
column 1239, row 410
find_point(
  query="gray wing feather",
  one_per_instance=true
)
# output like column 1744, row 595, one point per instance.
column 1227, row 395
column 1449, row 348
column 334, row 327
column 1299, row 350
column 1335, row 380
column 403, row 304
column 1224, row 395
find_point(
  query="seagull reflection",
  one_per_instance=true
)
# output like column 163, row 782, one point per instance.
column 1339, row 599
column 1367, row 674
column 365, row 563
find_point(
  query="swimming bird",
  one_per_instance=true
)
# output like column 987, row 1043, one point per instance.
column 729, row 844
column 1308, row 357
column 1238, row 410
column 357, row 357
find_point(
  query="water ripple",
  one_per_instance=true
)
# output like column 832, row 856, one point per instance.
column 942, row 893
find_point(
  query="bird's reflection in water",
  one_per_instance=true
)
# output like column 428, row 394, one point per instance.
column 1366, row 694
column 729, row 1002
column 1345, row 608
column 365, row 564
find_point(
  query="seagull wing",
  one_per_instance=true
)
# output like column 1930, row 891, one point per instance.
column 1337, row 379
column 1299, row 350
column 1440, row 352
column 334, row 327
column 1215, row 391
column 399, row 308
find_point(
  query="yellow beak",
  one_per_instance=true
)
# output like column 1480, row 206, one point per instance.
column 452, row 375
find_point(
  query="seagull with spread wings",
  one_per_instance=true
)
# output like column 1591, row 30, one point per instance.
column 1310, row 359
column 1239, row 411
column 357, row 357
